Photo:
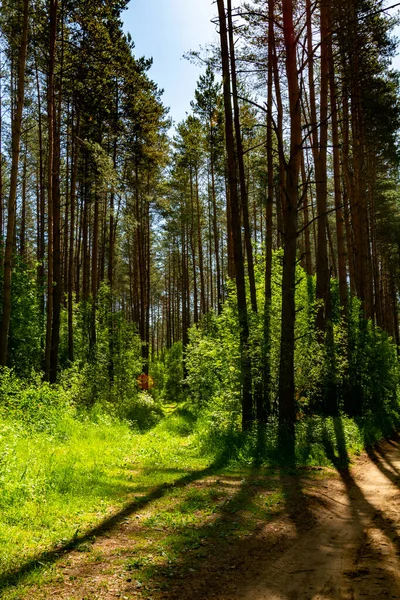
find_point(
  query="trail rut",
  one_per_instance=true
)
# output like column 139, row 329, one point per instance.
column 353, row 550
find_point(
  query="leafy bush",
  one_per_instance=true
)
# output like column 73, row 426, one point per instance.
column 142, row 411
column 26, row 326
column 352, row 369
column 173, row 386
column 107, row 352
column 32, row 402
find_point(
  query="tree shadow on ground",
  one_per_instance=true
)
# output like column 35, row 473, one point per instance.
column 380, row 459
column 11, row 577
column 225, row 543
column 365, row 517
column 220, row 557
column 233, row 547
column 232, row 567
column 297, row 503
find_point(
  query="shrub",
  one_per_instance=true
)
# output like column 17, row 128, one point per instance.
column 352, row 369
column 142, row 411
column 26, row 326
column 32, row 402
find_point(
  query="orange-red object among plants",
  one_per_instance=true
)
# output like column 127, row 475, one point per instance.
column 145, row 382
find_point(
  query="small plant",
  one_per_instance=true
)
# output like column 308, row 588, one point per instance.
column 142, row 411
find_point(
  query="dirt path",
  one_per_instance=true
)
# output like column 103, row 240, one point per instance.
column 354, row 548
column 337, row 537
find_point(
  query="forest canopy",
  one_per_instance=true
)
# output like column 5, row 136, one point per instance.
column 247, row 259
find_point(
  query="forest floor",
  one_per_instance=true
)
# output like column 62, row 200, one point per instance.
column 313, row 533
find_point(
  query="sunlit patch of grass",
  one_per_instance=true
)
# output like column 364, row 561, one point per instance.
column 55, row 486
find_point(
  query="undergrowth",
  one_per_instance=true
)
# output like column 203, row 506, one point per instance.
column 319, row 440
column 55, row 484
column 64, row 470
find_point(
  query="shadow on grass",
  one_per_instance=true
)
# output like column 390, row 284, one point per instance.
column 297, row 503
column 208, row 553
column 241, row 554
column 12, row 577
column 233, row 540
column 222, row 555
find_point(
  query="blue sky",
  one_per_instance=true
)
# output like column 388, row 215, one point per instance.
column 165, row 30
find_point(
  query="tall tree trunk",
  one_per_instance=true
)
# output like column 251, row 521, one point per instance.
column 111, row 244
column 16, row 143
column 247, row 401
column 22, row 237
column 148, row 276
column 57, row 255
column 50, row 184
column 290, row 206
column 95, row 269
column 216, row 233
column 229, row 234
column 193, row 250
column 85, row 239
column 41, row 205
column 74, row 177
column 1, row 165
column 306, row 219
column 57, row 279
column 185, row 283
column 200, row 246
column 319, row 137
column 240, row 161
column 340, row 235
column 264, row 407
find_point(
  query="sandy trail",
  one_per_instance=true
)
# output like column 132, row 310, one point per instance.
column 337, row 538
column 353, row 550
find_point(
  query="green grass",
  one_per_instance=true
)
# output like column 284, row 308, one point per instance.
column 58, row 484
column 191, row 525
column 55, row 486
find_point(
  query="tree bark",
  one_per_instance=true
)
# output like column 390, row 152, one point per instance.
column 71, row 262
column 287, row 409
column 319, row 138
column 264, row 406
column 340, row 235
column 16, row 143
column 50, row 185
column 240, row 161
column 247, row 401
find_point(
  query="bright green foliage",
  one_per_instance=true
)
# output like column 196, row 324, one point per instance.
column 57, row 483
column 110, row 357
column 373, row 370
column 167, row 373
column 212, row 362
column 174, row 373
column 54, row 485
column 141, row 411
column 25, row 327
column 104, row 373
column 353, row 370
column 34, row 404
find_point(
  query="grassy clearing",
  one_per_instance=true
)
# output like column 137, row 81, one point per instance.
column 56, row 485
